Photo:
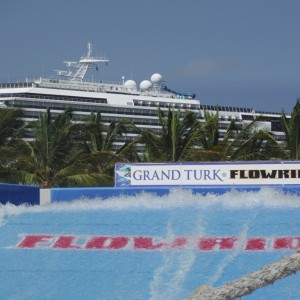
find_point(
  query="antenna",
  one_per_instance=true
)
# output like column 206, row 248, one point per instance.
column 77, row 70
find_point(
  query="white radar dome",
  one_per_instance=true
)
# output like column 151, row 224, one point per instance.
column 130, row 84
column 145, row 85
column 156, row 79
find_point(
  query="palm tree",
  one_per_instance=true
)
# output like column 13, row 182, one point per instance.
column 11, row 128
column 211, row 148
column 251, row 143
column 101, row 152
column 246, row 143
column 56, row 155
column 258, row 145
column 291, row 127
column 175, row 139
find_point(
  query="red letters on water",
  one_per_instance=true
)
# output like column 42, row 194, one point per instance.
column 82, row 242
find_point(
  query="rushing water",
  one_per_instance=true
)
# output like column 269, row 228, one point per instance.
column 146, row 247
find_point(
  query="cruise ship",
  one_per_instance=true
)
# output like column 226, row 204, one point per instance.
column 116, row 101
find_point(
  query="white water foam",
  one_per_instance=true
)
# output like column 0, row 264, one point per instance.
column 168, row 279
column 230, row 257
column 266, row 197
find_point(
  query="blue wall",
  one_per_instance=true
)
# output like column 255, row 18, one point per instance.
column 10, row 193
column 19, row 194
column 71, row 194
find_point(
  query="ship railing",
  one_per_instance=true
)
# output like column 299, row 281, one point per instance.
column 87, row 83
column 236, row 109
column 16, row 85
column 166, row 94
column 90, row 86
column 109, row 87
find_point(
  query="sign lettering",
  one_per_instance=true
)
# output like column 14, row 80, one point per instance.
column 81, row 242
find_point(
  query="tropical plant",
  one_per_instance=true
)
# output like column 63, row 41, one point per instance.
column 237, row 143
column 175, row 139
column 252, row 143
column 291, row 127
column 55, row 157
column 210, row 147
column 64, row 153
column 259, row 145
column 100, row 142
column 11, row 128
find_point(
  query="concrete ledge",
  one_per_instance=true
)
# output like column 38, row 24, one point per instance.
column 45, row 196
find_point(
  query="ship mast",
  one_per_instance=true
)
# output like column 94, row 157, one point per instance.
column 77, row 70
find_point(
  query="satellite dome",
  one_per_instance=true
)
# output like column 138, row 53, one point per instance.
column 145, row 85
column 156, row 79
column 130, row 84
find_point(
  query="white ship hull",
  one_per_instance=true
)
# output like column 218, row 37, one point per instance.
column 119, row 101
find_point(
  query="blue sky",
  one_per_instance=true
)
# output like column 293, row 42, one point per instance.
column 228, row 52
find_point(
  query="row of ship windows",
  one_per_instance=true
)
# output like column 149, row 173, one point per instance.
column 225, row 108
column 108, row 119
column 145, row 122
column 275, row 126
column 200, row 107
column 106, row 109
column 105, row 119
column 234, row 109
column 124, row 139
column 136, row 103
column 89, row 108
column 16, row 85
column 165, row 104
column 53, row 97
column 100, row 100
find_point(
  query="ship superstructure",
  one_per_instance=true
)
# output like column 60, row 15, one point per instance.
column 116, row 101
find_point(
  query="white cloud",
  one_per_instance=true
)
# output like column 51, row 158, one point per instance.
column 207, row 67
